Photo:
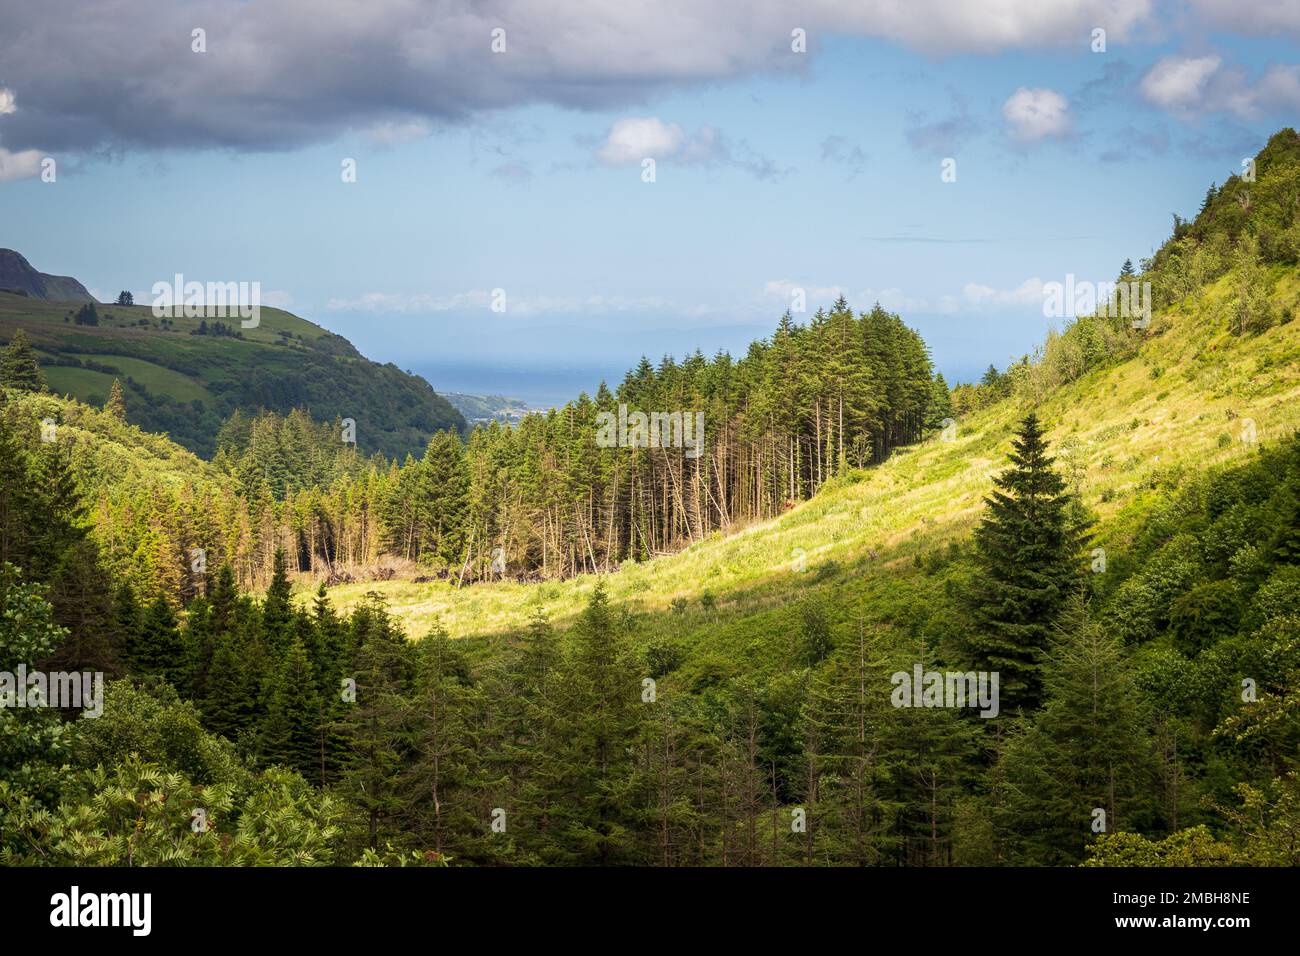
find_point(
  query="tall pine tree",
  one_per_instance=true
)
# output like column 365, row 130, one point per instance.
column 1028, row 548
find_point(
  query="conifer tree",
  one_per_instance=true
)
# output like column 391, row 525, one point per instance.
column 940, row 403
column 329, row 650
column 1209, row 197
column 289, row 732
column 1287, row 547
column 815, row 639
column 230, row 706
column 18, row 366
column 1027, row 554
column 83, row 603
column 377, row 723
column 116, row 404
column 444, row 744
column 127, row 618
column 842, row 722
column 277, row 608
column 530, row 688
column 198, row 643
column 443, row 497
column 222, row 599
column 595, row 720
column 1087, row 750
column 931, row 750
column 159, row 649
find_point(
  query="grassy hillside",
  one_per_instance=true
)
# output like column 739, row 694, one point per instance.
column 1127, row 435
column 1158, row 691
column 186, row 384
column 481, row 409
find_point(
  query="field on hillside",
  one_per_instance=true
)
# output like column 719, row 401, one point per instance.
column 187, row 384
column 1123, row 434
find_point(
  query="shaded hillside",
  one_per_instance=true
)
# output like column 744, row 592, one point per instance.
column 18, row 276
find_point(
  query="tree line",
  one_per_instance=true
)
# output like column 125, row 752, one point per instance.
column 540, row 499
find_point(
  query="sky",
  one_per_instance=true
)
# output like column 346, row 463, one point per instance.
column 946, row 159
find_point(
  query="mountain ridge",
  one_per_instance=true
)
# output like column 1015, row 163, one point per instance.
column 17, row 275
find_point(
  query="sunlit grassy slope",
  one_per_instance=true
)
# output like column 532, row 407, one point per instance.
column 1194, row 396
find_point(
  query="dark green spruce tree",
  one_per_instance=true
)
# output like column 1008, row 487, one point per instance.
column 159, row 649
column 1083, row 765
column 228, row 707
column 277, row 609
column 376, row 725
column 592, row 726
column 290, row 735
column 436, row 784
column 1028, row 547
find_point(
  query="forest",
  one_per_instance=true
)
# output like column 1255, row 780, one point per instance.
column 1146, row 640
column 541, row 499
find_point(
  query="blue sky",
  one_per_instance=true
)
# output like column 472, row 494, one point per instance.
column 774, row 170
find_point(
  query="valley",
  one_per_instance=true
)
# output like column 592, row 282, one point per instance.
column 562, row 641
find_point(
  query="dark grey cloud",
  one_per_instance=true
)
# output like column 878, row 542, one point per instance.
column 279, row 74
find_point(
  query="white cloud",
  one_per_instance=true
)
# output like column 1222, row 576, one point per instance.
column 896, row 300
column 1034, row 114
column 481, row 299
column 1028, row 293
column 1178, row 82
column 705, row 146
column 8, row 101
column 636, row 138
column 974, row 297
column 1279, row 87
column 1188, row 86
column 22, row 165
